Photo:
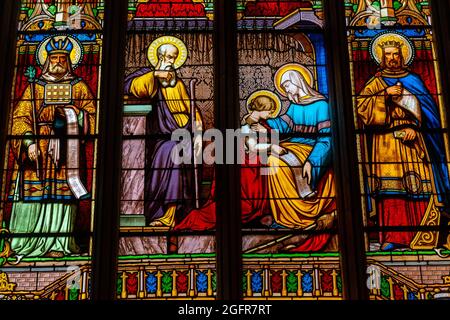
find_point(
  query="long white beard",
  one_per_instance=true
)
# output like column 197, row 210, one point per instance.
column 57, row 71
column 170, row 83
column 168, row 67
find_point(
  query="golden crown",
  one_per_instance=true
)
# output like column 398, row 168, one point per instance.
column 391, row 44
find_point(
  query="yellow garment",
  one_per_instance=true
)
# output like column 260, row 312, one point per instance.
column 52, row 180
column 177, row 98
column 178, row 102
column 397, row 167
column 168, row 219
column 392, row 160
column 288, row 208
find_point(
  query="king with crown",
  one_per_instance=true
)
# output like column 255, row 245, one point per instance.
column 407, row 172
column 55, row 109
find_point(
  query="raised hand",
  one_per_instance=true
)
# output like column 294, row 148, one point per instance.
column 394, row 91
column 33, row 152
column 165, row 75
column 258, row 127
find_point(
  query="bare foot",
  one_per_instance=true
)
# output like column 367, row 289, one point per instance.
column 326, row 221
column 156, row 224
column 287, row 248
column 54, row 254
column 267, row 220
column 292, row 242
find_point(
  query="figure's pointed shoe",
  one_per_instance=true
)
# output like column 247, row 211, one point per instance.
column 389, row 246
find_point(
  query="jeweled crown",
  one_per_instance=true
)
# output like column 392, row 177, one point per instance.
column 391, row 44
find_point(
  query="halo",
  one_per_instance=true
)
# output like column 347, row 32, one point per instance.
column 76, row 55
column 271, row 95
column 407, row 48
column 153, row 50
column 305, row 72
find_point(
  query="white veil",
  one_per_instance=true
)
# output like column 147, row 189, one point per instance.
column 297, row 79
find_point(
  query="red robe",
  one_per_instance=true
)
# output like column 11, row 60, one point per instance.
column 398, row 212
column 254, row 203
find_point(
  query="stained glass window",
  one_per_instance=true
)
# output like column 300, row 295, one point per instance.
column 48, row 189
column 167, row 221
column 400, row 122
column 169, row 182
column 289, row 215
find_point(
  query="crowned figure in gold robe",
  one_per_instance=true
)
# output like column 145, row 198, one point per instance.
column 407, row 172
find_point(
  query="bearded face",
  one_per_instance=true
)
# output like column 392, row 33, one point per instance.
column 167, row 57
column 393, row 59
column 166, row 63
column 58, row 66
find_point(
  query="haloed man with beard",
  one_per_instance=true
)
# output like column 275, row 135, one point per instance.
column 168, row 185
column 165, row 70
column 408, row 170
column 44, row 200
